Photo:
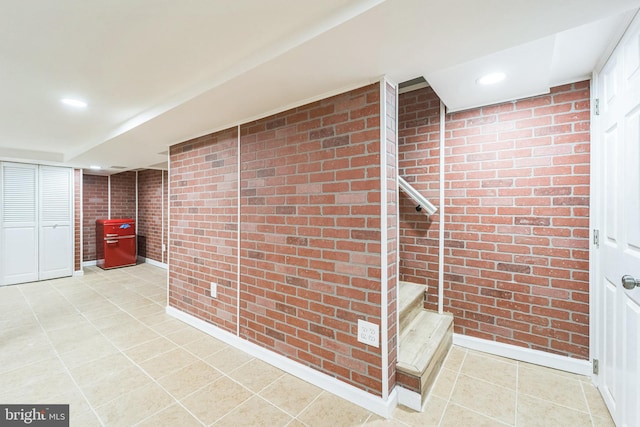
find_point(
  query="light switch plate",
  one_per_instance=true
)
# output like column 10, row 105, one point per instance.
column 368, row 333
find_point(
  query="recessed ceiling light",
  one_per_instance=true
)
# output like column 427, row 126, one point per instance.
column 76, row 103
column 95, row 168
column 490, row 79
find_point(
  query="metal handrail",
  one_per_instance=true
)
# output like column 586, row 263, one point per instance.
column 423, row 203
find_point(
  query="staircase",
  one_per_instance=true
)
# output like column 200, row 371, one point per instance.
column 425, row 340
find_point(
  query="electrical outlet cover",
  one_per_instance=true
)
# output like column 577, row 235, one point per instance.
column 368, row 333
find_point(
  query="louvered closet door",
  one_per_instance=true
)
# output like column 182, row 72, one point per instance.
column 18, row 230
column 55, row 222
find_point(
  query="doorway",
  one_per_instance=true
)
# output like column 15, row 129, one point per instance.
column 616, row 247
column 36, row 218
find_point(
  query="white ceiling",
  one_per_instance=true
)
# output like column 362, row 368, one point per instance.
column 156, row 73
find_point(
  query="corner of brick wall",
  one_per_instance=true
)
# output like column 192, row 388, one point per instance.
column 95, row 205
column 151, row 201
column 390, row 213
column 123, row 195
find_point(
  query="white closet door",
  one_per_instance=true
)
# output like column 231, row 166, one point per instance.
column 55, row 225
column 18, row 230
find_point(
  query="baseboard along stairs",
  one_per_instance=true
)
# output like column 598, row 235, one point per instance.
column 425, row 340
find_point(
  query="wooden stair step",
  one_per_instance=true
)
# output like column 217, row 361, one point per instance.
column 424, row 345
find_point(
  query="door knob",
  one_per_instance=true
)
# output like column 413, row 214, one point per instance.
column 629, row 282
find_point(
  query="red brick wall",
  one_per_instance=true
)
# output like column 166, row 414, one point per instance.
column 516, row 216
column 95, row 196
column 123, row 195
column 151, row 201
column 77, row 218
column 204, row 228
column 95, row 202
column 390, row 215
column 419, row 165
column 165, row 207
column 310, row 233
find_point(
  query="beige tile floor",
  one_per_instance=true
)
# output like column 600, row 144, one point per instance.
column 103, row 344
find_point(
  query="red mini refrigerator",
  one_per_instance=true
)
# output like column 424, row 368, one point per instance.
column 115, row 242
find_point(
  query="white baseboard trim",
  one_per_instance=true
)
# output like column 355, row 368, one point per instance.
column 375, row 404
column 153, row 262
column 537, row 357
column 409, row 398
column 89, row 263
column 78, row 273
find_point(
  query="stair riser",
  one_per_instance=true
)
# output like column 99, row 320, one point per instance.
column 408, row 313
column 431, row 373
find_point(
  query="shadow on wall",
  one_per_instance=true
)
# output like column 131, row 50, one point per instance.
column 142, row 246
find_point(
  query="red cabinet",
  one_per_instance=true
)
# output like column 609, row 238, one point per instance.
column 115, row 242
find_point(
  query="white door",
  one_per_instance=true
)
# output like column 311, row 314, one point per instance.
column 55, row 222
column 617, row 208
column 18, row 230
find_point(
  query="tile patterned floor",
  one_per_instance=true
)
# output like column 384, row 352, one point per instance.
column 103, row 343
